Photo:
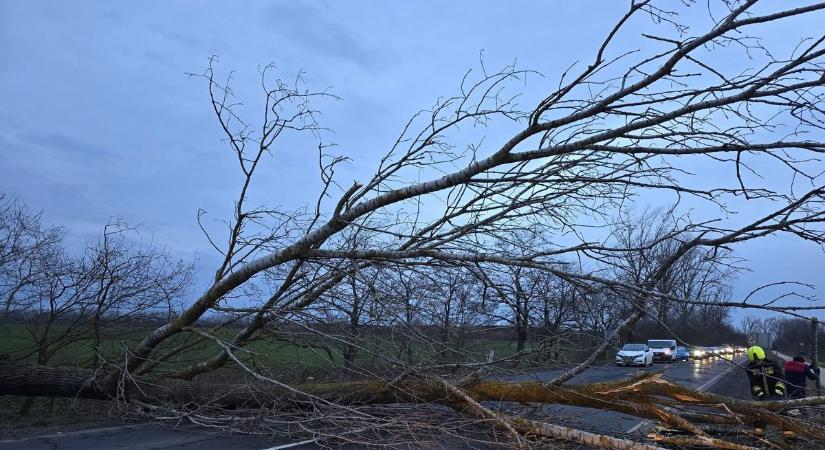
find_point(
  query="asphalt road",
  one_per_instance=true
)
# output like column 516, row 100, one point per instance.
column 714, row 375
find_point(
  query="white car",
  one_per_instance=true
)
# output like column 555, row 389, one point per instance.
column 634, row 355
column 663, row 349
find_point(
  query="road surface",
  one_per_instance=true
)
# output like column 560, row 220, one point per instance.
column 714, row 375
column 706, row 375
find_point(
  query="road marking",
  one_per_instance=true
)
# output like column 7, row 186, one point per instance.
column 702, row 388
column 716, row 379
column 637, row 426
column 293, row 444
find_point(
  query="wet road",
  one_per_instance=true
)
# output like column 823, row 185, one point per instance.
column 713, row 375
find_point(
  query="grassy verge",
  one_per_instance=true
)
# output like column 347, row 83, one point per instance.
column 52, row 415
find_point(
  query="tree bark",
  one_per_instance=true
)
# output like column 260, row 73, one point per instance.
column 631, row 396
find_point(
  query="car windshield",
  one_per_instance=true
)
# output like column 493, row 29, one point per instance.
column 659, row 344
column 633, row 347
column 681, row 349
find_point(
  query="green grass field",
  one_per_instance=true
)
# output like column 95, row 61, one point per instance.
column 305, row 354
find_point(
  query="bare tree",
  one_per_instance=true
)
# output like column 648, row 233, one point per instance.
column 124, row 279
column 26, row 246
column 629, row 122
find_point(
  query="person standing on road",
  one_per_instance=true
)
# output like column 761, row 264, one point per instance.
column 767, row 382
column 796, row 372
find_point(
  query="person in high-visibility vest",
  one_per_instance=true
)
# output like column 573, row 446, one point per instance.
column 767, row 383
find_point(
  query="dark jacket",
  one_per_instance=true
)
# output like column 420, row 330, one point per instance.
column 795, row 374
column 766, row 378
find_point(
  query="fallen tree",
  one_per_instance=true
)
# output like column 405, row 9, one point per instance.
column 501, row 222
column 646, row 395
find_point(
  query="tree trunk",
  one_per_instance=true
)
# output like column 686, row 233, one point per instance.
column 522, row 338
column 27, row 406
column 350, row 350
column 635, row 396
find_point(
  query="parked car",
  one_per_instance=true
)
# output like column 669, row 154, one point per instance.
column 634, row 355
column 663, row 349
column 682, row 353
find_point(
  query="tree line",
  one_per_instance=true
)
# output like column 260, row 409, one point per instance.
column 118, row 285
column 544, row 231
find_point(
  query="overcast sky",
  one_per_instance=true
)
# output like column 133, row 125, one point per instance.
column 98, row 117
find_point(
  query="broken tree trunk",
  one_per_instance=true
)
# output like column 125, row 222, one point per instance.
column 632, row 396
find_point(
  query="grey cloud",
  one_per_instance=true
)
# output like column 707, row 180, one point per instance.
column 186, row 40
column 58, row 143
column 309, row 26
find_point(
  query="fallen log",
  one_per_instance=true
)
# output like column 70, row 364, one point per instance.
column 29, row 380
column 635, row 396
